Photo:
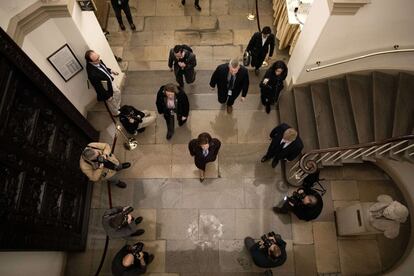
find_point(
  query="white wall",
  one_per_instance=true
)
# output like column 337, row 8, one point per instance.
column 8, row 9
column 375, row 27
column 32, row 263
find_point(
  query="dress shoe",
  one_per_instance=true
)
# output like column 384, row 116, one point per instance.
column 274, row 163
column 268, row 108
column 278, row 210
column 169, row 135
column 139, row 232
column 141, row 130
column 229, row 109
column 150, row 259
column 122, row 26
column 264, row 159
column 121, row 184
column 126, row 165
column 197, row 7
column 133, row 27
column 138, row 220
column 202, row 179
column 183, row 2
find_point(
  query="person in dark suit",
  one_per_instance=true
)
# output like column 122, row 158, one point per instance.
column 118, row 6
column 184, row 61
column 102, row 80
column 305, row 203
column 272, row 84
column 134, row 120
column 204, row 149
column 259, row 46
column 118, row 224
column 231, row 79
column 131, row 260
column 285, row 144
column 196, row 4
column 269, row 254
column 172, row 100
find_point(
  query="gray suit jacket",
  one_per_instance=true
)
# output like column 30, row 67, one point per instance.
column 115, row 233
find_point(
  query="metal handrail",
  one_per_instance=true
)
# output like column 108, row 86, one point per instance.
column 310, row 165
column 359, row 57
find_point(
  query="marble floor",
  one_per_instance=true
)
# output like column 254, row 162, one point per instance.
column 196, row 228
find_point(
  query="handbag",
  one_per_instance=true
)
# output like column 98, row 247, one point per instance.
column 247, row 58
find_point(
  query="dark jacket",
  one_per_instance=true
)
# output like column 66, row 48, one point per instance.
column 219, row 78
column 255, row 45
column 127, row 112
column 292, row 150
column 308, row 212
column 196, row 151
column 96, row 76
column 115, row 3
column 119, row 270
column 182, row 106
column 115, row 213
column 261, row 257
column 275, row 84
column 189, row 59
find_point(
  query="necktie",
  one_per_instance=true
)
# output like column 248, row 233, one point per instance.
column 205, row 152
column 106, row 71
column 231, row 82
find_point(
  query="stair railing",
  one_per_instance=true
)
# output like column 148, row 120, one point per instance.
column 312, row 160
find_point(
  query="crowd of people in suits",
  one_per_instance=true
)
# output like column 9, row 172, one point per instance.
column 232, row 80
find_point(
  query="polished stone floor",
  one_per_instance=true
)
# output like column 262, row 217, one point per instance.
column 198, row 228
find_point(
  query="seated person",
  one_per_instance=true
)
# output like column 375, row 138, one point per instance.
column 305, row 203
column 135, row 121
column 131, row 260
column 119, row 223
column 269, row 252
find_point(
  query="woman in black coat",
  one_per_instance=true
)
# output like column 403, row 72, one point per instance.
column 272, row 84
column 172, row 100
column 204, row 149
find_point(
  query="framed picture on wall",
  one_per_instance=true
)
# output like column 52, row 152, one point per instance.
column 65, row 62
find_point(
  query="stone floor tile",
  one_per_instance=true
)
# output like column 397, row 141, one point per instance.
column 234, row 22
column 226, row 53
column 250, row 131
column 187, row 37
column 252, row 102
column 148, row 224
column 118, row 38
column 219, row 7
column 182, row 135
column 203, row 23
column 147, row 65
column 138, row 22
column 141, row 39
column 262, row 192
column 302, row 231
column 213, row 193
column 234, row 257
column 113, row 25
column 205, row 101
column 205, row 8
column 344, row 203
column 118, row 51
column 157, row 193
column 216, row 38
column 120, row 197
column 188, row 256
column 331, row 173
column 369, row 190
column 242, row 37
column 146, row 7
column 256, row 222
column 215, row 224
column 96, row 195
column 203, row 53
column 149, row 161
column 158, row 248
column 326, row 249
column 248, row 164
column 95, row 230
column 165, row 23
column 147, row 82
column 169, row 7
column 146, row 137
column 243, row 7
column 344, row 190
column 359, row 257
column 79, row 263
column 177, row 224
column 366, row 172
column 113, row 247
column 305, row 262
column 183, row 164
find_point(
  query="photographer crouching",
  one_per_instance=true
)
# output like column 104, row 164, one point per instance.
column 268, row 252
column 131, row 260
column 305, row 203
column 119, row 223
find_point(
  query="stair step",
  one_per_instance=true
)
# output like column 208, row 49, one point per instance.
column 325, row 124
column 287, row 109
column 342, row 112
column 306, row 118
column 360, row 92
column 404, row 106
column 384, row 94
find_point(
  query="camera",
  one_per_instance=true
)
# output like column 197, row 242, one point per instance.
column 125, row 213
column 297, row 197
column 266, row 241
column 100, row 159
column 136, row 249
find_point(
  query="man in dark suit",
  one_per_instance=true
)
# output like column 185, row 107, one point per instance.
column 102, row 80
column 260, row 44
column 184, row 61
column 118, row 6
column 231, row 79
column 196, row 4
column 285, row 144
column 172, row 100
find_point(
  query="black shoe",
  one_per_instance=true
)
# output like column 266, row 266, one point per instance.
column 274, row 163
column 125, row 165
column 268, row 108
column 121, row 184
column 169, row 135
column 183, row 2
column 197, row 7
column 122, row 26
column 264, row 159
column 278, row 210
column 138, row 220
column 141, row 130
column 150, row 259
column 133, row 27
column 139, row 232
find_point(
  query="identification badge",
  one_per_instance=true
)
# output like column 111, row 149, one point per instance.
column 230, row 93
